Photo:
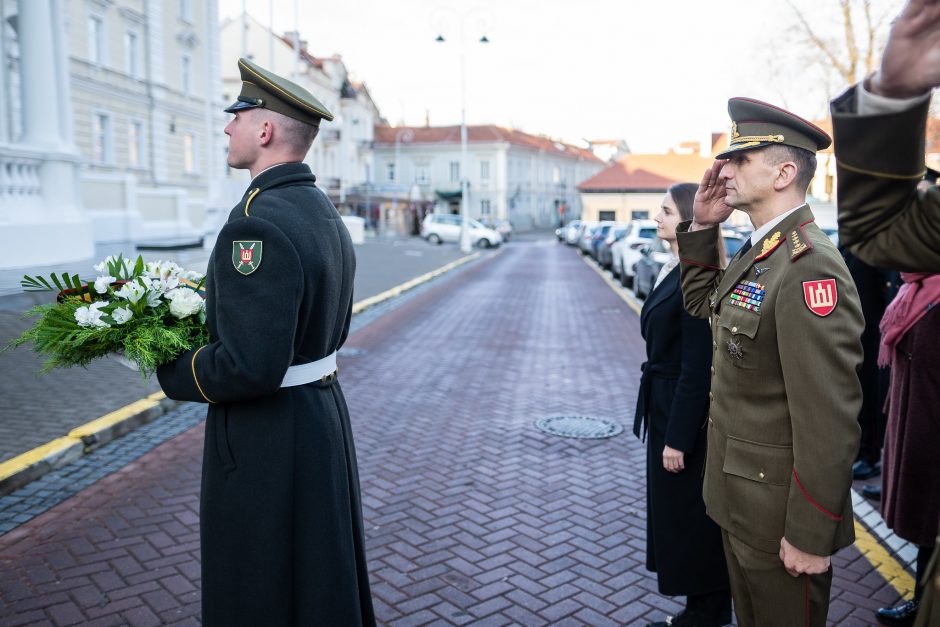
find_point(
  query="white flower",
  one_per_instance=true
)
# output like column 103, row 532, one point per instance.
column 90, row 315
column 153, row 299
column 103, row 266
column 184, row 302
column 132, row 291
column 163, row 270
column 122, row 315
column 102, row 283
column 162, row 285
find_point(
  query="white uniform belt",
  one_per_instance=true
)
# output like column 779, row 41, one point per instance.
column 308, row 373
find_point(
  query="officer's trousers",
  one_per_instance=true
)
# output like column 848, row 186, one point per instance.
column 765, row 595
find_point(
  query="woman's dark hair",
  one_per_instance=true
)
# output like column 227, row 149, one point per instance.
column 683, row 194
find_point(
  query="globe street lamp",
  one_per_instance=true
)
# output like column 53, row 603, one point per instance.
column 464, row 168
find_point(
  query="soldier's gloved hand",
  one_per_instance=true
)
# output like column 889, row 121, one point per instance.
column 798, row 562
column 708, row 207
column 673, row 459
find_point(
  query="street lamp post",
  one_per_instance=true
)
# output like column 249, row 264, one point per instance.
column 464, row 168
column 401, row 135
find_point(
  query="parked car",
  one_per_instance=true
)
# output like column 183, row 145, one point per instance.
column 626, row 252
column 571, row 234
column 598, row 236
column 652, row 258
column 585, row 235
column 615, row 234
column 503, row 227
column 444, row 227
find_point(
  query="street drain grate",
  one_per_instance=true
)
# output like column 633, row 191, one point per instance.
column 584, row 427
column 349, row 351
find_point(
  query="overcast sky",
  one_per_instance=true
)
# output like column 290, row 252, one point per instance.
column 652, row 72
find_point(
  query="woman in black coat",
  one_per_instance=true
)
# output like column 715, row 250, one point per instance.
column 683, row 545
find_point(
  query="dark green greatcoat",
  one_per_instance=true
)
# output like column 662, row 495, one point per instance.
column 883, row 218
column 281, row 521
column 785, row 396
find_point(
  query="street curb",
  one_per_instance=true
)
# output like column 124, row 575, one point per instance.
column 20, row 470
column 28, row 466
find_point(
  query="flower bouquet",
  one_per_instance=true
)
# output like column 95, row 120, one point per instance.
column 147, row 313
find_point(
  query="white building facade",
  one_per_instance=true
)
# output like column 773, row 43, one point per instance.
column 527, row 179
column 341, row 157
column 135, row 100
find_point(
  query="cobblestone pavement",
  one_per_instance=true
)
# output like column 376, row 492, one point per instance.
column 472, row 515
column 39, row 409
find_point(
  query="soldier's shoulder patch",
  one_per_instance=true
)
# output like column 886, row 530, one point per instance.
column 821, row 296
column 246, row 255
column 798, row 242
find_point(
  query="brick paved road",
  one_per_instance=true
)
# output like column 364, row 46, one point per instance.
column 472, row 515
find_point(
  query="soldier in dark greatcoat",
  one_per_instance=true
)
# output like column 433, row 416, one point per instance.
column 281, row 518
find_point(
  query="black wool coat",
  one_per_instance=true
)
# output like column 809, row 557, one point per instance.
column 281, row 519
column 683, row 545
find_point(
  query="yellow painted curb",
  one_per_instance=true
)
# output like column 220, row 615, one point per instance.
column 372, row 301
column 37, row 455
column 88, row 433
column 868, row 545
column 883, row 562
column 616, row 287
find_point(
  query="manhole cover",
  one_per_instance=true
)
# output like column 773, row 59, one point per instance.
column 349, row 351
column 579, row 426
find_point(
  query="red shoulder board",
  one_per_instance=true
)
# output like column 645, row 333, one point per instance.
column 821, row 296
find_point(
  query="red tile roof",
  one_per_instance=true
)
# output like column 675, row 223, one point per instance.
column 619, row 178
column 649, row 172
column 483, row 133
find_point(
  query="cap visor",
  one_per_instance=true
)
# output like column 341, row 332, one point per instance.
column 239, row 106
column 749, row 146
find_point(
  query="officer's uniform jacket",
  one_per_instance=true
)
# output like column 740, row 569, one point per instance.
column 785, row 397
column 883, row 218
column 282, row 535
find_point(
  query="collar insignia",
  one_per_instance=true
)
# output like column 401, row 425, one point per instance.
column 770, row 243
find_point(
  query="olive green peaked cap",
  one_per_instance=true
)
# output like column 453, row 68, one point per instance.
column 261, row 88
column 755, row 124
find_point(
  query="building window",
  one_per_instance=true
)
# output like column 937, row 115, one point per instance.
column 454, row 171
column 605, row 216
column 484, row 170
column 132, row 53
column 390, row 172
column 186, row 10
column 186, row 71
column 556, row 175
column 96, row 39
column 189, row 153
column 422, row 175
column 485, row 207
column 101, row 138
column 135, row 144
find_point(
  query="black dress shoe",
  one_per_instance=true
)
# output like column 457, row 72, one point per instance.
column 872, row 492
column 901, row 615
column 682, row 619
column 863, row 470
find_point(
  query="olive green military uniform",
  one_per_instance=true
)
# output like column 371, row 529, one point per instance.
column 883, row 218
column 782, row 428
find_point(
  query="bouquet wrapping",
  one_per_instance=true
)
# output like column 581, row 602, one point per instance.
column 149, row 313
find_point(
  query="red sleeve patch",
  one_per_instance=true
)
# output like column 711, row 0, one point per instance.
column 821, row 296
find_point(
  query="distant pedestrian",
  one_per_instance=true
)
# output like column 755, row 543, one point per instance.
column 786, row 326
column 910, row 502
column 281, row 520
column 683, row 545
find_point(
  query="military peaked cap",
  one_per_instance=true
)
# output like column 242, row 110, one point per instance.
column 755, row 124
column 261, row 88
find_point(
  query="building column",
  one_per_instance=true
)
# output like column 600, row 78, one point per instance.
column 47, row 224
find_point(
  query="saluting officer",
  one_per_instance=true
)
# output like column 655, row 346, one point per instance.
column 281, row 519
column 786, row 327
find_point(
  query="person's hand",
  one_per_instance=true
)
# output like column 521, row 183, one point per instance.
column 709, row 208
column 798, row 562
column 673, row 460
column 910, row 65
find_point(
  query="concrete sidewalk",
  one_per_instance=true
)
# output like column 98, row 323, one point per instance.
column 38, row 409
column 472, row 515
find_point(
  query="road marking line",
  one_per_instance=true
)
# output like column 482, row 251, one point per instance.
column 49, row 450
column 616, row 287
column 868, row 545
